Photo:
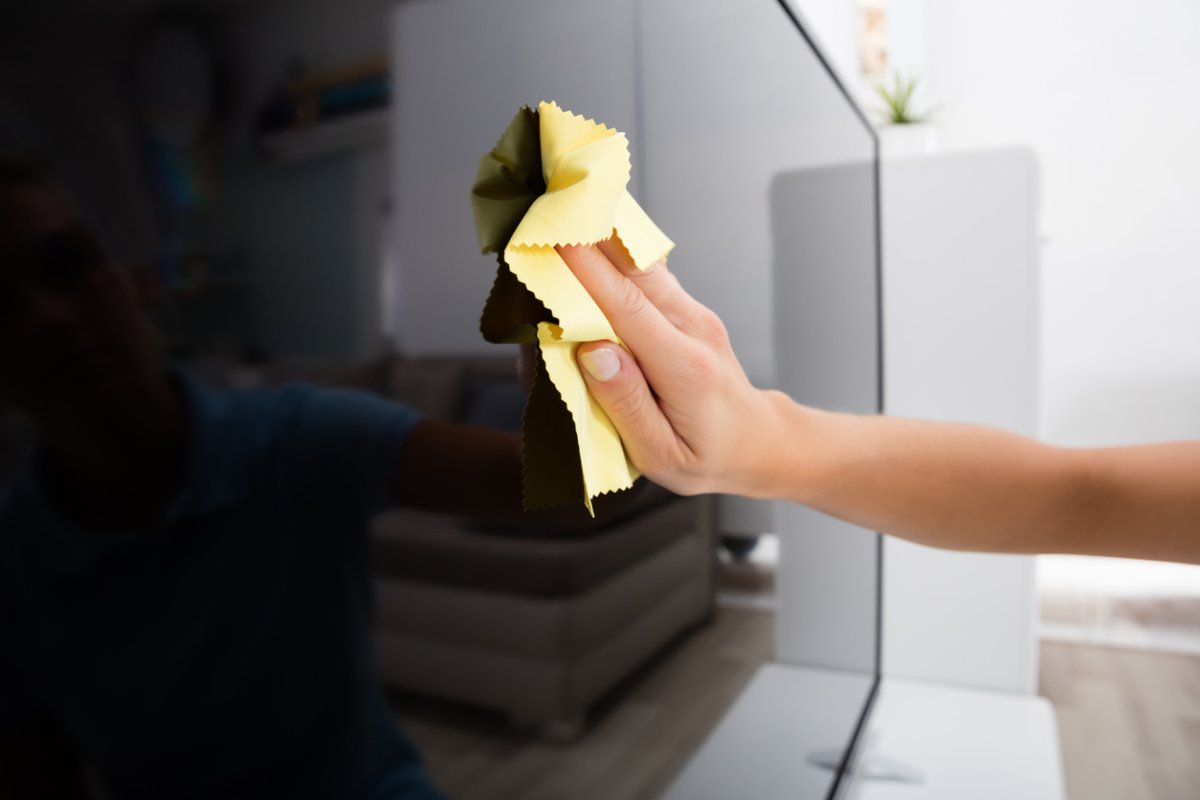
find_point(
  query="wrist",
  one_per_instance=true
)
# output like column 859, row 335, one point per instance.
column 808, row 451
column 782, row 461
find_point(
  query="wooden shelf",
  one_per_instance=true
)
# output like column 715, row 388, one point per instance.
column 352, row 132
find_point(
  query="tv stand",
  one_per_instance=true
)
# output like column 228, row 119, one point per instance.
column 981, row 744
column 876, row 767
column 922, row 742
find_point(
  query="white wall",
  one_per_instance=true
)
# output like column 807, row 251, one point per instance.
column 1101, row 90
column 960, row 283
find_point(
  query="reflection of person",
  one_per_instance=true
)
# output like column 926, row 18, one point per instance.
column 184, row 594
column 692, row 421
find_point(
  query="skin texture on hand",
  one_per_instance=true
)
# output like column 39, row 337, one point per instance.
column 691, row 420
column 711, row 431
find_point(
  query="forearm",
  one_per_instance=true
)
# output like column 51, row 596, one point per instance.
column 691, row 419
column 972, row 488
column 1147, row 502
column 452, row 468
column 457, row 469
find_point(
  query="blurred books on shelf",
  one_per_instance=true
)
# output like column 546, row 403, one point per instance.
column 313, row 114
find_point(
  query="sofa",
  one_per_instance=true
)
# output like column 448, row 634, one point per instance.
column 535, row 621
column 532, row 619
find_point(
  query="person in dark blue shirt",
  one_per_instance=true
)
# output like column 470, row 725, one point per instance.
column 184, row 589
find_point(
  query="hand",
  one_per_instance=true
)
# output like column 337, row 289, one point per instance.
column 692, row 422
column 688, row 415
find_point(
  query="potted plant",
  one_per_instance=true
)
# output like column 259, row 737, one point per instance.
column 905, row 131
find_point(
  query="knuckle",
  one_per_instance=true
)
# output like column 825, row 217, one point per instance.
column 700, row 365
column 680, row 479
column 628, row 404
column 654, row 275
column 651, row 465
column 710, row 326
column 631, row 298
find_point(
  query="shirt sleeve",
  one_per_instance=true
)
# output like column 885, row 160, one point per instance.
column 345, row 443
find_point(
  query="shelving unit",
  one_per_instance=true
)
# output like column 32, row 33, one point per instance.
column 352, row 132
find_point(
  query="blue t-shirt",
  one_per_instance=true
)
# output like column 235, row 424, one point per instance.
column 229, row 654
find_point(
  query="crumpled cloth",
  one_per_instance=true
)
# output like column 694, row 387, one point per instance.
column 556, row 178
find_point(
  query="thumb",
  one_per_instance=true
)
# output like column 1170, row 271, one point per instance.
column 617, row 383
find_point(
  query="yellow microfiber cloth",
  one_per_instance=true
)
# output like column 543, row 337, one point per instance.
column 556, row 178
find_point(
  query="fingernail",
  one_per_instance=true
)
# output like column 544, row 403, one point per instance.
column 602, row 364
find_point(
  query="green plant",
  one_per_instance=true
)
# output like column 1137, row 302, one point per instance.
column 898, row 99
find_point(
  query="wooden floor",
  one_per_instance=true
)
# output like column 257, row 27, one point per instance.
column 1129, row 721
column 638, row 740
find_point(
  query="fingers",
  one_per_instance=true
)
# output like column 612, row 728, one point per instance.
column 636, row 319
column 659, row 286
column 619, row 386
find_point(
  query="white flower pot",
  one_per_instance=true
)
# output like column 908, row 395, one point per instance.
column 900, row 141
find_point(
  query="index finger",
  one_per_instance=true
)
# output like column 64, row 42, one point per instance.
column 656, row 282
column 639, row 323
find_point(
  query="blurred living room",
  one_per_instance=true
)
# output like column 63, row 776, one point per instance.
column 963, row 211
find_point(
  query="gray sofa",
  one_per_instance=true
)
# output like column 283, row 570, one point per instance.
column 529, row 619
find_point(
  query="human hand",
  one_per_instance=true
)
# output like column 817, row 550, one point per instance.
column 688, row 415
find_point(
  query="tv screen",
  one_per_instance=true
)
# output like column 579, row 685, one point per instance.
column 747, row 151
column 281, row 193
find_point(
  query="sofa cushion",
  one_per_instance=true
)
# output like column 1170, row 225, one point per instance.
column 439, row 549
column 553, row 628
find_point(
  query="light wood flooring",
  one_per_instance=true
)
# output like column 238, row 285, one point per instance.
column 636, row 744
column 1164, row 624
column 1129, row 721
column 1144, row 605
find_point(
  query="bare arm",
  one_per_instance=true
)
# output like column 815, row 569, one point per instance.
column 974, row 488
column 455, row 468
column 468, row 471
column 692, row 421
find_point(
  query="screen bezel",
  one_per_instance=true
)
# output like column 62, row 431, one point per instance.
column 843, row 779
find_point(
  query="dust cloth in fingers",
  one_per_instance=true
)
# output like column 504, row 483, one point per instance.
column 556, row 178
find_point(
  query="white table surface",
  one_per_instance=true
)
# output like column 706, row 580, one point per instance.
column 967, row 743
column 962, row 743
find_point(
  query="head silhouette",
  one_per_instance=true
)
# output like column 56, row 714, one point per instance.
column 75, row 345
